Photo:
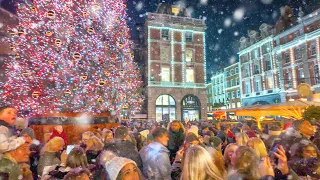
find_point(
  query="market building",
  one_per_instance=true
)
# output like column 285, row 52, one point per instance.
column 175, row 65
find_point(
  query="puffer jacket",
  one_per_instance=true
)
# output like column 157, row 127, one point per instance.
column 156, row 163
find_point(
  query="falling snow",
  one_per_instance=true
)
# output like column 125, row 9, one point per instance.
column 227, row 22
column 238, row 14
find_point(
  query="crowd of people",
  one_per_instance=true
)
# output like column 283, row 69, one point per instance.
column 163, row 151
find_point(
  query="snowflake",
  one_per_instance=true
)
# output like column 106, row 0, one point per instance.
column 266, row 1
column 232, row 60
column 203, row 2
column 220, row 31
column 236, row 33
column 139, row 6
column 227, row 22
column 238, row 14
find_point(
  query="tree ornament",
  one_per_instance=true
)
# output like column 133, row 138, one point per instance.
column 20, row 32
column 76, row 56
column 49, row 33
column 25, row 74
column 91, row 30
column 100, row 100
column 67, row 92
column 51, row 14
column 35, row 94
column 120, row 45
column 33, row 9
column 12, row 33
column 107, row 73
column 121, row 71
column 85, row 14
column 84, row 77
column 12, row 47
column 57, row 42
column 17, row 56
column 102, row 82
column 51, row 62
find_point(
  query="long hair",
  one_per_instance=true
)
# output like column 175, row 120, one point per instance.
column 182, row 128
column 52, row 144
column 242, row 139
column 77, row 158
column 218, row 160
column 95, row 144
column 247, row 161
column 226, row 159
column 198, row 165
column 259, row 147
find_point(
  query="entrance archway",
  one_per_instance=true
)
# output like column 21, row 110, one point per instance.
column 165, row 108
column 190, row 108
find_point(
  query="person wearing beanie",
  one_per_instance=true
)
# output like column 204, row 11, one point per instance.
column 194, row 129
column 215, row 142
column 192, row 139
column 274, row 132
column 119, row 168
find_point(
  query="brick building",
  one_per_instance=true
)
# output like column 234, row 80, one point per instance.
column 297, row 53
column 175, row 65
column 232, row 86
column 275, row 60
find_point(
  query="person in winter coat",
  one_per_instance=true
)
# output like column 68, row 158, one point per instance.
column 302, row 152
column 176, row 133
column 123, row 147
column 50, row 154
column 9, row 163
column 155, row 157
column 59, row 132
column 8, row 137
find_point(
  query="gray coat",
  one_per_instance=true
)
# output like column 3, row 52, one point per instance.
column 47, row 159
column 156, row 163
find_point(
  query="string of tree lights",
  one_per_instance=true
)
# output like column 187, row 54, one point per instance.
column 72, row 56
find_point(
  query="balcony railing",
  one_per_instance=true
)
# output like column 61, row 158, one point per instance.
column 175, row 19
column 176, row 84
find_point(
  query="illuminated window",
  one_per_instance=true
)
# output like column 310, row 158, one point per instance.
column 289, row 80
column 190, row 75
column 165, row 74
column 269, row 83
column 165, row 108
column 189, row 55
column 164, row 54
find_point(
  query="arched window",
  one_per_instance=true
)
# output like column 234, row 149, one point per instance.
column 190, row 107
column 165, row 108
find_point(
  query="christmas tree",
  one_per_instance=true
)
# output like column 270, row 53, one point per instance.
column 71, row 56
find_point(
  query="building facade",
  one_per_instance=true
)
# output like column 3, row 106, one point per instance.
column 274, row 62
column 232, row 86
column 217, row 86
column 176, row 66
column 297, row 52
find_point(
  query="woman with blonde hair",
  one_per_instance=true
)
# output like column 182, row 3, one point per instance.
column 258, row 146
column 198, row 165
column 218, row 160
column 228, row 152
column 242, row 139
column 93, row 149
column 50, row 153
column 245, row 164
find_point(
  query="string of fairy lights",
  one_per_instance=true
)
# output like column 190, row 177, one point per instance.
column 72, row 56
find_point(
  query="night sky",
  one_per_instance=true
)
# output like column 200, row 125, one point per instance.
column 227, row 20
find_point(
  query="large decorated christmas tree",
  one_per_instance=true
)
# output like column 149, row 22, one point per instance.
column 71, row 56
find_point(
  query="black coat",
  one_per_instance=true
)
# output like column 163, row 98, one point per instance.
column 126, row 149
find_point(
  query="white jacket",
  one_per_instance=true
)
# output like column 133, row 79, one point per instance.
column 8, row 142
